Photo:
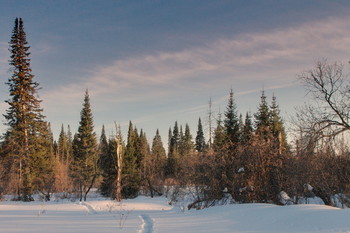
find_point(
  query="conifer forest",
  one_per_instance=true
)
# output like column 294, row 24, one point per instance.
column 246, row 157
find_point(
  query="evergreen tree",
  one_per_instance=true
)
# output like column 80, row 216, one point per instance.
column 170, row 135
column 154, row 166
column 240, row 126
column 173, row 155
column 50, row 140
column 144, row 146
column 107, row 164
column 231, row 122
column 181, row 142
column 84, row 169
column 181, row 133
column 131, row 174
column 144, row 151
column 158, row 150
column 138, row 152
column 55, row 149
column 62, row 146
column 219, row 135
column 158, row 156
column 200, row 140
column 247, row 132
column 262, row 118
column 103, row 148
column 277, row 127
column 69, row 141
column 188, row 145
column 27, row 141
column 175, row 140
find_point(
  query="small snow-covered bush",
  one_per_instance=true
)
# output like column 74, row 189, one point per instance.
column 341, row 200
column 285, row 199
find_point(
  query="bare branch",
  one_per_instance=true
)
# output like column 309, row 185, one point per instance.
column 329, row 88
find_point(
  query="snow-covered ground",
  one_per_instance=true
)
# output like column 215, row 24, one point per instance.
column 144, row 214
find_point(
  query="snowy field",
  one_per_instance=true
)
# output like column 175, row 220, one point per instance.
column 155, row 215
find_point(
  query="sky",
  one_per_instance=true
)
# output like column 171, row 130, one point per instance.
column 156, row 62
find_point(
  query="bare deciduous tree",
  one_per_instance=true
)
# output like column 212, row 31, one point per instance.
column 329, row 87
column 119, row 164
column 320, row 128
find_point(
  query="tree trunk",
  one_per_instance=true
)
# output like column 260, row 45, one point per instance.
column 150, row 187
column 19, row 178
column 91, row 184
column 81, row 192
column 119, row 175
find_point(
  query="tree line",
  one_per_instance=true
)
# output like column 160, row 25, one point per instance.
column 248, row 158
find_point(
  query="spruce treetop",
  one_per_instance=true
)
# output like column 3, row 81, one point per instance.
column 200, row 140
column 103, row 138
column 24, row 106
column 262, row 117
column 219, row 135
column 231, row 121
column 86, row 136
column 247, row 133
column 158, row 150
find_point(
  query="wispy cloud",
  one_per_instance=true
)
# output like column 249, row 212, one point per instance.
column 42, row 48
column 220, row 101
column 251, row 56
column 247, row 61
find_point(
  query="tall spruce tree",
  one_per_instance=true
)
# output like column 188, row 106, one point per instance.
column 158, row 158
column 131, row 172
column 181, row 142
column 158, row 151
column 240, row 126
column 144, row 148
column 231, row 122
column 68, row 147
column 107, row 164
column 219, row 135
column 144, row 154
column 247, row 132
column 50, row 139
column 69, row 143
column 188, row 145
column 200, row 140
column 170, row 135
column 277, row 127
column 262, row 118
column 173, row 154
column 175, row 140
column 103, row 149
column 27, row 141
column 84, row 169
column 63, row 146
column 154, row 166
column 138, row 152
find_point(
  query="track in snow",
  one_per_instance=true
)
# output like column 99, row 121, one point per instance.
column 90, row 209
column 147, row 224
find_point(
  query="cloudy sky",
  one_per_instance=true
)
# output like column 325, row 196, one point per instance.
column 156, row 62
